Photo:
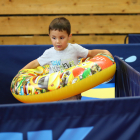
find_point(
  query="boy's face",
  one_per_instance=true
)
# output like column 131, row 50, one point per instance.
column 59, row 39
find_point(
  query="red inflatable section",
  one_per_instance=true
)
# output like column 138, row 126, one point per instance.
column 102, row 61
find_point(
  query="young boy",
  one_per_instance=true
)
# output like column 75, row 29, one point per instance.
column 63, row 54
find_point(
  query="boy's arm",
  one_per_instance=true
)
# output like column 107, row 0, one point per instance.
column 33, row 64
column 92, row 53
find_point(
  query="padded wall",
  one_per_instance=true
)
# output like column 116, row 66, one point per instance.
column 127, row 79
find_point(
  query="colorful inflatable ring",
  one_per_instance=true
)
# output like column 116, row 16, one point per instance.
column 36, row 85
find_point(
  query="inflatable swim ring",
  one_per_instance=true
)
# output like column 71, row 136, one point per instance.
column 37, row 85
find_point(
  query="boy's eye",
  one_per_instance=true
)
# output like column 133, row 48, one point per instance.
column 61, row 37
column 53, row 37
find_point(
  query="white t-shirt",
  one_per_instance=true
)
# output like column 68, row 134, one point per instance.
column 60, row 60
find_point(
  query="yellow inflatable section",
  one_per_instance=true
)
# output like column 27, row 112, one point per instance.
column 36, row 85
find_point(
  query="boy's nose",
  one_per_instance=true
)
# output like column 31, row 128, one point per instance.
column 57, row 40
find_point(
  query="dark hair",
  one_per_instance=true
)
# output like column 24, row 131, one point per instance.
column 60, row 24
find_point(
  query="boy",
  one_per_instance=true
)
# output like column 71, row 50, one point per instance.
column 63, row 54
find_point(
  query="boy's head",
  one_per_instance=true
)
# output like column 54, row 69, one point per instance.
column 60, row 24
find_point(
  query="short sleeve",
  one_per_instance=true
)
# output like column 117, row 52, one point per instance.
column 81, row 51
column 45, row 57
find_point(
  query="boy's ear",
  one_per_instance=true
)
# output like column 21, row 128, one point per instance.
column 70, row 36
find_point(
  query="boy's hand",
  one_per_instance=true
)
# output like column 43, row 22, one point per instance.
column 92, row 53
column 32, row 65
